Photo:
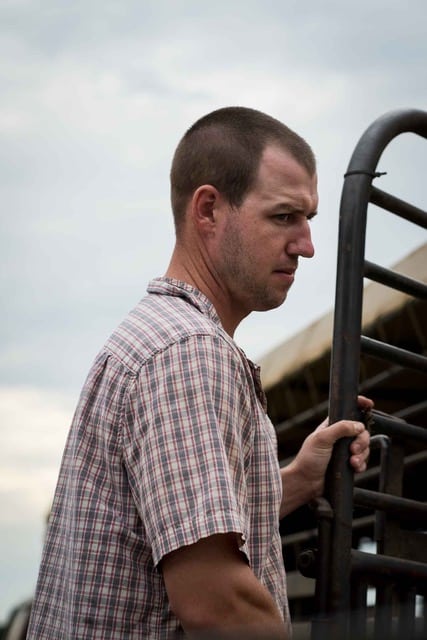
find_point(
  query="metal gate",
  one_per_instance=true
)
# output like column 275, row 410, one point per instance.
column 398, row 569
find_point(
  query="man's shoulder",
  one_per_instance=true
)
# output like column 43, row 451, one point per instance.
column 154, row 325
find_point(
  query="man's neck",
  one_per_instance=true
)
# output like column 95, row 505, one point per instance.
column 185, row 268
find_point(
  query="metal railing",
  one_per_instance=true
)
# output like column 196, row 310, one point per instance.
column 398, row 570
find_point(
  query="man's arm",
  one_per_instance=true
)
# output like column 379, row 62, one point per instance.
column 212, row 589
column 303, row 479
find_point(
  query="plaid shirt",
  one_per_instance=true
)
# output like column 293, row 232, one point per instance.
column 170, row 443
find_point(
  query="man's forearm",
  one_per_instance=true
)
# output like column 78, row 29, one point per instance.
column 296, row 489
column 212, row 590
column 241, row 608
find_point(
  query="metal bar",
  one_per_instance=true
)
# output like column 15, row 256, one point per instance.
column 345, row 361
column 344, row 379
column 373, row 472
column 387, row 566
column 384, row 443
column 324, row 513
column 288, row 540
column 398, row 207
column 320, row 410
column 380, row 378
column 411, row 410
column 411, row 510
column 358, row 626
column 383, row 611
column 393, row 354
column 406, row 625
column 395, row 280
column 373, row 142
column 320, row 623
column 396, row 427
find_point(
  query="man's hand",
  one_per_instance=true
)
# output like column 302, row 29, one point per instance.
column 303, row 479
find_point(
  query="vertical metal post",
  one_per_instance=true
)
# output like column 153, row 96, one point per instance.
column 344, row 382
column 358, row 622
column 344, row 377
column 383, row 611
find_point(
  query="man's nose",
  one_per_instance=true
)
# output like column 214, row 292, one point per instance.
column 301, row 244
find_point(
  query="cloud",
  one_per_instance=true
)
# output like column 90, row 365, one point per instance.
column 34, row 425
column 92, row 109
column 34, row 428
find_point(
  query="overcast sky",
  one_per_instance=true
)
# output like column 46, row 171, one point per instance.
column 94, row 96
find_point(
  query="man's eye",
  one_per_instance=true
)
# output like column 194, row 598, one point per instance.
column 284, row 217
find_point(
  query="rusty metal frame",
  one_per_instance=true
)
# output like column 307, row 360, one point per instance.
column 341, row 612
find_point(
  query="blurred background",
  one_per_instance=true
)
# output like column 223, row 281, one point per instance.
column 94, row 97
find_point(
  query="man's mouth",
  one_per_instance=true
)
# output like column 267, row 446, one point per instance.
column 290, row 271
column 287, row 274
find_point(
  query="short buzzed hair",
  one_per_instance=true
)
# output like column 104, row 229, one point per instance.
column 224, row 149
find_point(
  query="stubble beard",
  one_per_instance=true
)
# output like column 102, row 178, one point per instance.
column 239, row 273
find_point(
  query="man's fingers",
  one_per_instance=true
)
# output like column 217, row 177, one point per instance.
column 360, row 443
column 341, row 429
column 358, row 427
column 366, row 404
column 358, row 463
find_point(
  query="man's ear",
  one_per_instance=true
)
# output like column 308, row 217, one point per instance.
column 205, row 203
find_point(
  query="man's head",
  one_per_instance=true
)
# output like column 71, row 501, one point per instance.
column 224, row 149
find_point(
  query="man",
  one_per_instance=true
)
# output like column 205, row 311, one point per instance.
column 167, row 508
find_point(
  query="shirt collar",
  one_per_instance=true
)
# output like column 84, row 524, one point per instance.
column 172, row 287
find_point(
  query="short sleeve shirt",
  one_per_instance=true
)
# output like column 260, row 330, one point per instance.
column 170, row 443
